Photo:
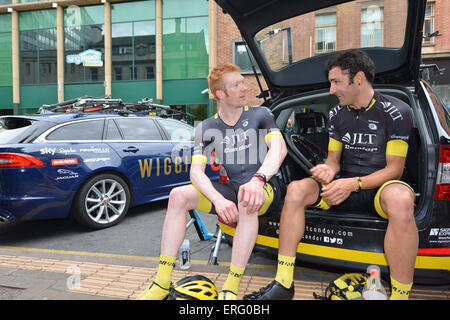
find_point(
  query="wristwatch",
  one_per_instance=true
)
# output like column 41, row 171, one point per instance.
column 261, row 177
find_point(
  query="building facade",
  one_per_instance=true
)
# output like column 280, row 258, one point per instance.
column 163, row 49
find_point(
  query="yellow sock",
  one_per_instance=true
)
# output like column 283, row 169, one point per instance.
column 231, row 286
column 400, row 291
column 285, row 270
column 159, row 288
column 164, row 274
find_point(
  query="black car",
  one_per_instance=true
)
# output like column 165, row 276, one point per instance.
column 291, row 41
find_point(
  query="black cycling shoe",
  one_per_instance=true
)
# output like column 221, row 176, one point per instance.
column 273, row 291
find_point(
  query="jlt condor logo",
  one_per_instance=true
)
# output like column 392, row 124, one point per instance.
column 392, row 111
column 359, row 138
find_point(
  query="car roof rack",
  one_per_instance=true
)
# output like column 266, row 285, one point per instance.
column 106, row 104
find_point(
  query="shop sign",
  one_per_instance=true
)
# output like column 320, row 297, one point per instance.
column 89, row 58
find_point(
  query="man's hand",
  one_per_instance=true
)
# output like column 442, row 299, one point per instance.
column 339, row 190
column 226, row 210
column 251, row 195
column 323, row 173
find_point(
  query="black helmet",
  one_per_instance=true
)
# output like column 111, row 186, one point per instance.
column 346, row 287
column 193, row 288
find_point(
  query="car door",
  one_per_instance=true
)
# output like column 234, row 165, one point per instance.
column 145, row 156
column 181, row 136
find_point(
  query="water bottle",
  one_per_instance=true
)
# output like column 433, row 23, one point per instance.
column 374, row 290
column 185, row 255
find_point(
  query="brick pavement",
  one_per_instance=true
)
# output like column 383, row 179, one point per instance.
column 40, row 275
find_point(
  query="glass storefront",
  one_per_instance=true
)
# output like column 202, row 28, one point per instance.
column 83, row 30
column 185, row 53
column 133, row 41
column 37, row 44
column 5, row 51
column 185, row 39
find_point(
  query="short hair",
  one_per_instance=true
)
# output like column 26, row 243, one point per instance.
column 215, row 81
column 353, row 61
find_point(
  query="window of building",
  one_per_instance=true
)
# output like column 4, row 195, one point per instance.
column 428, row 26
column 325, row 35
column 241, row 57
column 133, row 49
column 5, row 50
column 133, row 39
column 185, row 39
column 37, row 43
column 372, row 26
column 83, row 30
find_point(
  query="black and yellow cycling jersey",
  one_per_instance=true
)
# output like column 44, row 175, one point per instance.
column 367, row 135
column 241, row 148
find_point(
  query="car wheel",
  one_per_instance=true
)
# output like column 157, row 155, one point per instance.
column 102, row 201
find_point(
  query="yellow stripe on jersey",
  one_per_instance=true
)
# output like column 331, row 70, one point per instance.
column 272, row 134
column 371, row 104
column 199, row 158
column 397, row 148
column 334, row 145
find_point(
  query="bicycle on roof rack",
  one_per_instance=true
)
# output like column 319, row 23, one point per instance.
column 88, row 104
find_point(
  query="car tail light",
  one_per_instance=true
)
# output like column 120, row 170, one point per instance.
column 19, row 160
column 443, row 178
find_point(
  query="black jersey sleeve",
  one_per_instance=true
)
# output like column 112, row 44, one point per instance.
column 399, row 124
column 335, row 136
column 267, row 122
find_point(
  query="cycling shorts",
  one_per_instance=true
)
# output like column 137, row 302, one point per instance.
column 363, row 201
column 230, row 192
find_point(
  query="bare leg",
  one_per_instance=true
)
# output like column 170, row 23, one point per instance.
column 181, row 200
column 402, row 238
column 292, row 224
column 244, row 237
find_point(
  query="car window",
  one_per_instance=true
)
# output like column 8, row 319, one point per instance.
column 177, row 131
column 112, row 132
column 354, row 24
column 82, row 130
column 139, row 129
column 12, row 127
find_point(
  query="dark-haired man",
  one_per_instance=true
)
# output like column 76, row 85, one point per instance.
column 368, row 143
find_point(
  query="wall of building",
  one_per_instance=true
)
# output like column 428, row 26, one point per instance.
column 132, row 50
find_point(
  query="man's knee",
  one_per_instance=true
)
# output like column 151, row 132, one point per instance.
column 304, row 192
column 182, row 197
column 398, row 202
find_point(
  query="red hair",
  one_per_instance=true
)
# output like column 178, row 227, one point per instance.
column 215, row 81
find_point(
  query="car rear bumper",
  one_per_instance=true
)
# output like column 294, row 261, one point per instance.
column 31, row 208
